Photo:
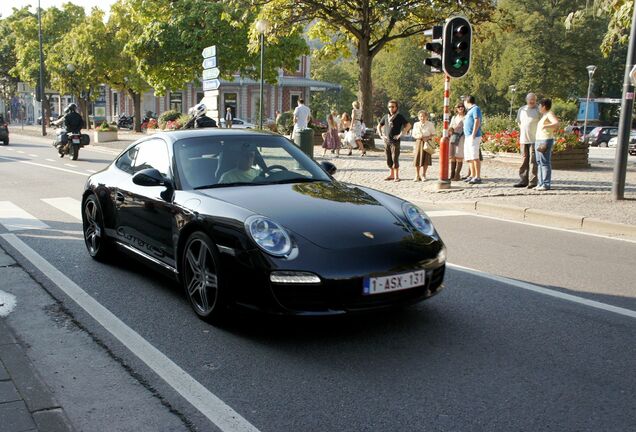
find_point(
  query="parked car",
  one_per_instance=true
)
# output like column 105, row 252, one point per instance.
column 258, row 238
column 601, row 135
column 4, row 131
column 238, row 123
column 614, row 141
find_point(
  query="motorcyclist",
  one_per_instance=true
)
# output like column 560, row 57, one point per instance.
column 198, row 118
column 73, row 122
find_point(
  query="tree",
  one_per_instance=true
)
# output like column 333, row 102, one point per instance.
column 620, row 20
column 364, row 27
column 172, row 33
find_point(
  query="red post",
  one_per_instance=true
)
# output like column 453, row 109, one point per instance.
column 444, row 181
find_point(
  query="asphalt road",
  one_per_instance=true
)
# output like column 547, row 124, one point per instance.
column 484, row 355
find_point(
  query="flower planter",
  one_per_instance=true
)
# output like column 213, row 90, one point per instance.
column 153, row 131
column 104, row 136
column 573, row 158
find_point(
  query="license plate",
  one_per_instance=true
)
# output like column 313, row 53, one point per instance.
column 384, row 284
column 76, row 141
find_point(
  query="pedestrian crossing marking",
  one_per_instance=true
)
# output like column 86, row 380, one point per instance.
column 70, row 206
column 13, row 218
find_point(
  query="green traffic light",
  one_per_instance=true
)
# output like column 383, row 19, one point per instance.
column 458, row 63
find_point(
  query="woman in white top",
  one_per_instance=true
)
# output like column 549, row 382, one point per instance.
column 356, row 126
column 423, row 132
column 456, row 131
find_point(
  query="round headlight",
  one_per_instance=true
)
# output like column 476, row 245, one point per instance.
column 417, row 219
column 268, row 235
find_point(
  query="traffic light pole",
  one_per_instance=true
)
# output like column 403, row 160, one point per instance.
column 625, row 126
column 444, row 182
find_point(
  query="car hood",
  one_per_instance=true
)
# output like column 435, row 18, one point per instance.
column 331, row 215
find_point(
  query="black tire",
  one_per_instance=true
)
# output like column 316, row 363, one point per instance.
column 200, row 278
column 74, row 152
column 6, row 141
column 97, row 244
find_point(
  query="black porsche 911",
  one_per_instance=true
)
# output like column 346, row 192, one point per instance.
column 244, row 218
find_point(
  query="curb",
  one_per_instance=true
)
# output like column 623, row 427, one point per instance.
column 544, row 217
column 41, row 405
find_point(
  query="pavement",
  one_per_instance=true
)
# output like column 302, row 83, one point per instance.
column 26, row 403
column 580, row 199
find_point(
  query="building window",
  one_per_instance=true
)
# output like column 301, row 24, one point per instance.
column 115, row 104
column 300, row 64
column 176, row 101
column 293, row 98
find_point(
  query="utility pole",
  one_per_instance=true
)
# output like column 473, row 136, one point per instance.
column 42, row 86
column 625, row 126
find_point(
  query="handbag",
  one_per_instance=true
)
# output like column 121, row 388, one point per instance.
column 428, row 148
column 455, row 137
column 542, row 148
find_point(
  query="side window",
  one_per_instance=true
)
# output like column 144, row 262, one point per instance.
column 152, row 154
column 125, row 161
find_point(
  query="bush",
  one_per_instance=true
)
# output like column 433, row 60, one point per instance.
column 498, row 123
column 566, row 111
column 168, row 116
column 105, row 127
column 566, row 140
column 152, row 124
column 285, row 123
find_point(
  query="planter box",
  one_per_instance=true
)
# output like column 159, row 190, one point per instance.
column 101, row 137
column 569, row 159
column 153, row 131
column 318, row 138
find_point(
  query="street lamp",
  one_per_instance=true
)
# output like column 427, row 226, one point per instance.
column 42, row 87
column 262, row 27
column 590, row 72
column 513, row 89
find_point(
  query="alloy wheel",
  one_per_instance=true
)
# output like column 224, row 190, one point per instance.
column 201, row 277
column 92, row 227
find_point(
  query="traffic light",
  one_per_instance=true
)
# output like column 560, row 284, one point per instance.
column 457, row 43
column 436, row 48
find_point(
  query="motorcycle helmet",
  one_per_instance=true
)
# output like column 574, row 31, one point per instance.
column 199, row 109
column 71, row 107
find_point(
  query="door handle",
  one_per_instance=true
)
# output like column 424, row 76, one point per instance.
column 119, row 197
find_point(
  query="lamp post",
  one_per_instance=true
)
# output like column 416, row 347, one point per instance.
column 262, row 26
column 513, row 89
column 590, row 72
column 41, row 69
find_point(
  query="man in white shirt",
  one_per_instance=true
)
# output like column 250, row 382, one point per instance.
column 527, row 119
column 228, row 117
column 302, row 114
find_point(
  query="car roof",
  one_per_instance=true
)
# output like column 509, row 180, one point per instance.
column 173, row 136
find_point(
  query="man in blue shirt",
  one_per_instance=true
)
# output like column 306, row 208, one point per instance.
column 472, row 134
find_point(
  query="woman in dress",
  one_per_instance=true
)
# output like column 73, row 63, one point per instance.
column 356, row 126
column 331, row 140
column 423, row 132
column 456, row 133
column 345, row 136
column 543, row 144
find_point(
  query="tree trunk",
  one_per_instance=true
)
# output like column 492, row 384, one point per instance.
column 136, row 97
column 365, row 83
column 46, row 110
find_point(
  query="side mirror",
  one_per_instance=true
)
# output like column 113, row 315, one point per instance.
column 328, row 167
column 148, row 177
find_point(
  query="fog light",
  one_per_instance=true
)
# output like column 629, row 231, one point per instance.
column 441, row 255
column 287, row 277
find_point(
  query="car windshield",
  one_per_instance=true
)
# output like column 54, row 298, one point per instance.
column 242, row 160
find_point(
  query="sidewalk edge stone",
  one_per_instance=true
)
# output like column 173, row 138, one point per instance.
column 503, row 210
column 555, row 219
column 600, row 226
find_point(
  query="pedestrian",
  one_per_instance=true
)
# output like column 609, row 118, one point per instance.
column 228, row 118
column 527, row 119
column 544, row 143
column 331, row 140
column 356, row 126
column 423, row 132
column 456, row 133
column 345, row 132
column 302, row 115
column 391, row 128
column 472, row 139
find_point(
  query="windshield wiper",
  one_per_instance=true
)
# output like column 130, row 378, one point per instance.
column 298, row 180
column 220, row 185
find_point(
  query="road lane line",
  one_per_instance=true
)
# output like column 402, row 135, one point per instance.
column 44, row 166
column 33, row 155
column 91, row 171
column 20, row 151
column 545, row 291
column 68, row 205
column 13, row 218
column 443, row 213
column 217, row 411
column 49, row 160
column 70, row 165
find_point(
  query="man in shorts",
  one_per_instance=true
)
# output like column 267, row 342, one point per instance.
column 472, row 139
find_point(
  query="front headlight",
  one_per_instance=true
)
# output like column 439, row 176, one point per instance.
column 417, row 219
column 268, row 235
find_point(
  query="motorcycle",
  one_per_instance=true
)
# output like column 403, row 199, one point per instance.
column 125, row 122
column 69, row 143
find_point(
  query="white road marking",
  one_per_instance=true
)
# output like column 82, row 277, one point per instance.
column 20, row 151
column 91, row 171
column 45, row 166
column 545, row 291
column 7, row 303
column 10, row 149
column 68, row 205
column 33, row 155
column 70, row 165
column 49, row 160
column 15, row 219
column 442, row 213
column 217, row 411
